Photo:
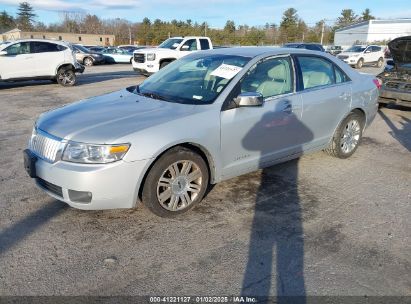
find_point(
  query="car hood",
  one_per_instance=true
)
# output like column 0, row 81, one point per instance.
column 349, row 54
column 153, row 50
column 400, row 49
column 108, row 118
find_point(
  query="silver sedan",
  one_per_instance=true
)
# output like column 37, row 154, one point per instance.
column 205, row 118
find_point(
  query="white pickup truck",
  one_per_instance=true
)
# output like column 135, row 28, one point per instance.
column 149, row 61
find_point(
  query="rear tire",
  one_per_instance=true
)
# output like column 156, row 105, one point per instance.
column 177, row 182
column 66, row 77
column 360, row 63
column 347, row 137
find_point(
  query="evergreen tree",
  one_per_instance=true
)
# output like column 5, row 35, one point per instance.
column 26, row 16
column 6, row 21
column 366, row 15
column 289, row 25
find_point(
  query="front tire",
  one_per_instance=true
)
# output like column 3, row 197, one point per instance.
column 176, row 183
column 66, row 77
column 360, row 63
column 88, row 61
column 347, row 137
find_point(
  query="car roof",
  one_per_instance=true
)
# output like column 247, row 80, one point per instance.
column 61, row 42
column 254, row 51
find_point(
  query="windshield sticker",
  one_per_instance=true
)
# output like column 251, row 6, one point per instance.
column 226, row 71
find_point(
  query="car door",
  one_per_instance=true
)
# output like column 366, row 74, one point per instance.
column 376, row 53
column 254, row 137
column 47, row 57
column 189, row 46
column 368, row 55
column 18, row 62
column 326, row 96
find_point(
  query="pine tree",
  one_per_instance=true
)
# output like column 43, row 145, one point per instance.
column 26, row 16
column 6, row 21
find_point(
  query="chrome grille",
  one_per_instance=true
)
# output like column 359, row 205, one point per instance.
column 44, row 146
column 138, row 57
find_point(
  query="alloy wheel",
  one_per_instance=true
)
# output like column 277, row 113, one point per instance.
column 179, row 185
column 350, row 136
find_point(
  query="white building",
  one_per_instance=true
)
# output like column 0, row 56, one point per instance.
column 372, row 31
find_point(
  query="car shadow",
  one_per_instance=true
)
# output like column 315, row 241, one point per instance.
column 276, row 247
column 23, row 228
column 402, row 135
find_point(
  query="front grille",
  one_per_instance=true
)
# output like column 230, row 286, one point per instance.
column 398, row 86
column 44, row 146
column 138, row 57
column 392, row 85
column 342, row 57
column 50, row 187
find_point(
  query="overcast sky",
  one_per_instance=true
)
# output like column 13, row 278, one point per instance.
column 214, row 12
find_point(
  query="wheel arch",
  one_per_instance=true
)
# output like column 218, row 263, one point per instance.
column 197, row 148
column 64, row 65
column 169, row 59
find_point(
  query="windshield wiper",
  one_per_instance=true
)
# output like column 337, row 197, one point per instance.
column 153, row 96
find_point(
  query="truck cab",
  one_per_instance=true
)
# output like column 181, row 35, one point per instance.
column 149, row 61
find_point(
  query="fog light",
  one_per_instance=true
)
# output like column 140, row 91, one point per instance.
column 80, row 196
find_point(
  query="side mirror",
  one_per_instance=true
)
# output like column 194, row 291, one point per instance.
column 367, row 51
column 3, row 53
column 249, row 99
column 185, row 48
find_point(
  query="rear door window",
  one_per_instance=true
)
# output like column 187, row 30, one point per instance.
column 316, row 72
column 205, row 45
column 44, row 47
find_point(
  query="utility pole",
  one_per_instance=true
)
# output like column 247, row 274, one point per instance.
column 129, row 35
column 322, row 31
column 205, row 29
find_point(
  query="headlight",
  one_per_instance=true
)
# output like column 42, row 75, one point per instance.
column 151, row 57
column 94, row 154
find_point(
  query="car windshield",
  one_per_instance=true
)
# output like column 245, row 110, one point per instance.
column 82, row 48
column 171, row 43
column 193, row 81
column 356, row 49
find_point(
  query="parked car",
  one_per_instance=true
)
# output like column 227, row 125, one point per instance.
column 97, row 49
column 335, row 49
column 205, row 118
column 396, row 78
column 358, row 55
column 150, row 60
column 116, row 55
column 87, row 57
column 307, row 46
column 131, row 48
column 30, row 59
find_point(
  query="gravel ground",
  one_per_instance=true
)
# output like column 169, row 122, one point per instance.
column 313, row 226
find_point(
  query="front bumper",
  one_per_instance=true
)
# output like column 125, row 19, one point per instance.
column 109, row 186
column 148, row 67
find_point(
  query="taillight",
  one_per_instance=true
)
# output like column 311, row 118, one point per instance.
column 377, row 82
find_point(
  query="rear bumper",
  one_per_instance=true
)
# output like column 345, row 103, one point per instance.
column 79, row 68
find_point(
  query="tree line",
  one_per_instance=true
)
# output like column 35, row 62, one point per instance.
column 152, row 32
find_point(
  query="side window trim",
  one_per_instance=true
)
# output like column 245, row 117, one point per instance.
column 300, row 85
column 228, row 101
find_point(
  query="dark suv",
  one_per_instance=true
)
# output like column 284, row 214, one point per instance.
column 307, row 46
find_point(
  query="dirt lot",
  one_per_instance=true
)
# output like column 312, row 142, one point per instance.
column 314, row 226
